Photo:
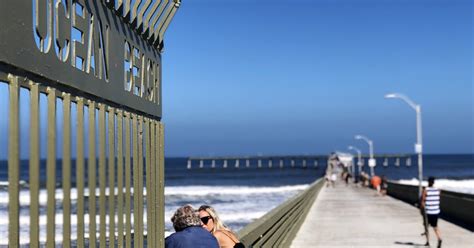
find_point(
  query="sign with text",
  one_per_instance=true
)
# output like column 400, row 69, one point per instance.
column 108, row 49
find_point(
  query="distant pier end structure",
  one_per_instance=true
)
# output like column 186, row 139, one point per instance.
column 304, row 161
column 93, row 70
column 280, row 161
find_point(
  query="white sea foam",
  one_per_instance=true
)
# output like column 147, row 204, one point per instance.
column 237, row 206
column 25, row 223
column 461, row 186
column 229, row 190
column 59, row 195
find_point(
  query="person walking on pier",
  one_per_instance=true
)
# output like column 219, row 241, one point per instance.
column 430, row 203
column 376, row 181
column 331, row 170
column 189, row 232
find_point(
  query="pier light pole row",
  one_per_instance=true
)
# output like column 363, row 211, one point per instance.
column 372, row 161
column 418, row 145
column 359, row 157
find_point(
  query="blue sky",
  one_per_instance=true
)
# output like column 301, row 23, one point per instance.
column 303, row 77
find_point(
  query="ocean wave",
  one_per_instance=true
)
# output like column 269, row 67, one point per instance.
column 197, row 190
column 59, row 195
column 193, row 190
column 461, row 186
column 25, row 227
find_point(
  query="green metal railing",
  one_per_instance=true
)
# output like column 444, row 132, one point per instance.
column 278, row 227
column 98, row 65
column 144, row 160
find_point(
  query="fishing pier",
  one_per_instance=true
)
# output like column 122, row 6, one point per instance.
column 354, row 216
column 89, row 74
column 293, row 161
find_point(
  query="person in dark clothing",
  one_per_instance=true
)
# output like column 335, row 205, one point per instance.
column 189, row 232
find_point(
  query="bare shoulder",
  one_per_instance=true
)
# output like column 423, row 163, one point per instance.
column 220, row 234
column 224, row 239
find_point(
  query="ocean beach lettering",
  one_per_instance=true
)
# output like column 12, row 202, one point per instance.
column 141, row 74
column 77, row 36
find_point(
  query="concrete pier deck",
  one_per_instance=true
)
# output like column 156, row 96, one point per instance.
column 356, row 217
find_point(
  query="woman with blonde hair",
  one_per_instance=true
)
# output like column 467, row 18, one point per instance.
column 211, row 222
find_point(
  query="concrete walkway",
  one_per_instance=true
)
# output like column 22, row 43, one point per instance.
column 355, row 217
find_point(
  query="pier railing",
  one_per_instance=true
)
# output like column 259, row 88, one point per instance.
column 92, row 70
column 455, row 207
column 278, row 227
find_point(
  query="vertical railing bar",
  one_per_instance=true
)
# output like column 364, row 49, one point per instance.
column 80, row 171
column 51, row 169
column 66, row 170
column 111, row 131
column 140, row 182
column 120, row 178
column 151, row 189
column 128, row 172
column 14, row 165
column 161, row 186
column 136, row 172
column 159, row 241
column 102, row 176
column 34, row 165
column 91, row 176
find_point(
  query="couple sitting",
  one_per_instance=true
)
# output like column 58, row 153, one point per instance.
column 203, row 229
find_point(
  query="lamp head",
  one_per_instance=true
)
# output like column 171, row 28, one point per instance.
column 391, row 95
column 350, row 147
column 357, row 137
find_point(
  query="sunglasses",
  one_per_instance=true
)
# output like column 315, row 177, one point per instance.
column 205, row 219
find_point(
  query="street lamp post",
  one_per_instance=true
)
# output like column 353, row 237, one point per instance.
column 359, row 157
column 372, row 162
column 418, row 145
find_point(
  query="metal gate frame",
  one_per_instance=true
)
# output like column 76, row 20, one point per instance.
column 38, row 52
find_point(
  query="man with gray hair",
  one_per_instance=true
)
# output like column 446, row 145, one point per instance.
column 189, row 232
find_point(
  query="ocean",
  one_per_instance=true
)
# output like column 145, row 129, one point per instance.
column 240, row 195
